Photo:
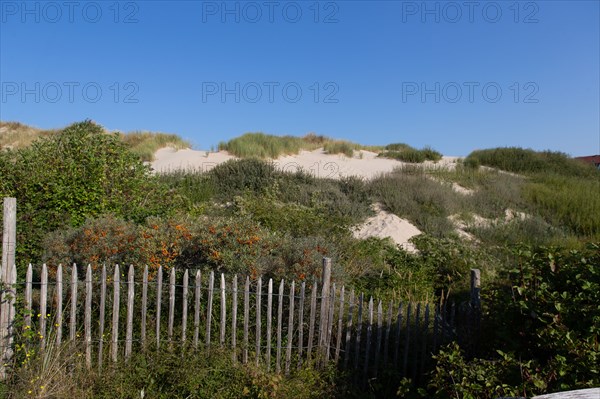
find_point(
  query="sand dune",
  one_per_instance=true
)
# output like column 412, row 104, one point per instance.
column 363, row 164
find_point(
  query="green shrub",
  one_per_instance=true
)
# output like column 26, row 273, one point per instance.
column 398, row 147
column 405, row 153
column 341, row 147
column 527, row 161
column 540, row 326
column 235, row 177
column 431, row 154
column 81, row 172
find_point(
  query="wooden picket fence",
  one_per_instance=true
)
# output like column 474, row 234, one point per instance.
column 279, row 325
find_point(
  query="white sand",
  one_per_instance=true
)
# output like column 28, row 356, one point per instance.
column 364, row 164
column 384, row 225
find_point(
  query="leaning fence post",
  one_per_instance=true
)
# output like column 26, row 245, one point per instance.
column 324, row 320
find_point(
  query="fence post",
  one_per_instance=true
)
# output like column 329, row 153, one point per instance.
column 8, row 278
column 324, row 320
column 474, row 321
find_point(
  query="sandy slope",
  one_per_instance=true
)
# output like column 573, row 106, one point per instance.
column 363, row 164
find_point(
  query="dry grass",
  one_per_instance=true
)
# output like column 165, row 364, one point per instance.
column 18, row 135
column 15, row 135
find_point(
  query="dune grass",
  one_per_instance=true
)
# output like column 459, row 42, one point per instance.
column 267, row 146
column 527, row 161
column 18, row 135
column 260, row 145
column 145, row 144
column 405, row 153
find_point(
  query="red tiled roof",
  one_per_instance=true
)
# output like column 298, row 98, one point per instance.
column 595, row 159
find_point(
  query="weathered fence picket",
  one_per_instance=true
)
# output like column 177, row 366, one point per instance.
column 269, row 321
column 115, row 314
column 43, row 306
column 130, row 298
column 102, row 316
column 144, row 306
column 88, row 316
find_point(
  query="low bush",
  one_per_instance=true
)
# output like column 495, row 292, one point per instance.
column 236, row 177
column 527, row 161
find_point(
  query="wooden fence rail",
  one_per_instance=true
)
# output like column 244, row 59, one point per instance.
column 282, row 324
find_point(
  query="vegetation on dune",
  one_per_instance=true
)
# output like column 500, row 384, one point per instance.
column 85, row 196
column 526, row 161
column 405, row 153
column 15, row 135
column 266, row 146
column 145, row 144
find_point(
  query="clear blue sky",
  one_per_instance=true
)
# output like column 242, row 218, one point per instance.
column 454, row 75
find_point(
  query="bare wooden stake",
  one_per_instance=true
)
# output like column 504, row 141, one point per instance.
column 407, row 339
column 211, row 286
column 43, row 306
column 398, row 332
column 301, row 323
column 130, row 303
column 258, row 317
column 379, row 334
column 74, row 280
column 159, row 277
column 330, row 316
column 279, row 326
column 88, row 317
column 102, row 316
column 223, row 311
column 59, row 304
column 290, row 337
column 234, row 307
column 115, row 314
column 369, row 333
column 388, row 327
column 340, row 326
column 358, row 330
column 269, row 321
column 246, row 318
column 29, row 296
column 425, row 335
column 171, row 305
column 311, row 327
column 184, row 306
column 349, row 330
column 197, row 297
column 144, row 306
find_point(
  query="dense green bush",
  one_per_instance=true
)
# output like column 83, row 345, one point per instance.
column 237, row 177
column 540, row 326
column 75, row 174
column 527, row 161
column 404, row 152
